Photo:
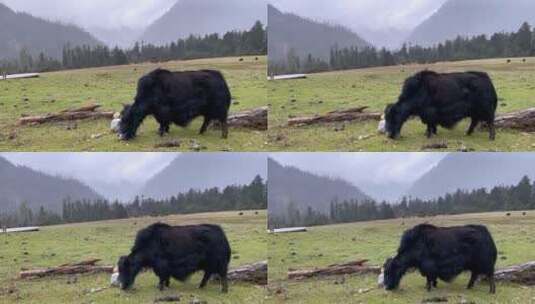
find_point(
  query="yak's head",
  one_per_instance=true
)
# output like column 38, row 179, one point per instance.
column 128, row 270
column 393, row 272
column 393, row 121
column 127, row 126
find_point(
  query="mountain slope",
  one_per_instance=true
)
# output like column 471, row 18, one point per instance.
column 200, row 17
column 201, row 171
column 288, row 31
column 291, row 185
column 21, row 30
column 20, row 184
column 469, row 18
column 473, row 170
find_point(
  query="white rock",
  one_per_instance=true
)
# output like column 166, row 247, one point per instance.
column 381, row 280
column 115, row 125
column 114, row 280
column 382, row 127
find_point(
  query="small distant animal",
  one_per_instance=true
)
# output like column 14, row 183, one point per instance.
column 444, row 99
column 508, row 214
column 524, row 60
column 508, row 60
column 241, row 59
column 177, row 252
column 177, row 97
column 443, row 253
column 524, row 213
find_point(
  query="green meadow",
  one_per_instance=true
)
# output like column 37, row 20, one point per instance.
column 376, row 87
column 376, row 241
column 111, row 87
column 57, row 245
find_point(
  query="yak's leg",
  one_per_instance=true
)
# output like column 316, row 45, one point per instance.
column 472, row 127
column 224, row 128
column 430, row 131
column 164, row 128
column 164, row 281
column 472, row 281
column 431, row 282
column 224, row 283
column 205, row 279
column 435, row 283
column 205, row 125
column 492, row 283
column 492, row 130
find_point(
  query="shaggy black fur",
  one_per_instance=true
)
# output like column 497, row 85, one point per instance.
column 178, row 97
column 444, row 100
column 443, row 253
column 178, row 252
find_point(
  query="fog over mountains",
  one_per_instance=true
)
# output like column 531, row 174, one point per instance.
column 473, row 17
column 201, row 17
column 289, row 185
column 287, row 31
column 19, row 184
column 23, row 31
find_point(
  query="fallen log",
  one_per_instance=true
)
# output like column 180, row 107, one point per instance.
column 90, row 262
column 65, row 270
column 523, row 120
column 256, row 119
column 65, row 116
column 357, row 267
column 523, row 274
column 354, row 114
column 256, row 273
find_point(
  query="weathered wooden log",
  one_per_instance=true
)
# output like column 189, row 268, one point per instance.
column 256, row 273
column 256, row 119
column 90, row 262
column 354, row 114
column 523, row 274
column 65, row 270
column 523, row 120
column 357, row 267
column 65, row 116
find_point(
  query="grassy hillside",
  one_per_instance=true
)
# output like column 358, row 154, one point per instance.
column 322, row 246
column 376, row 87
column 57, row 245
column 112, row 86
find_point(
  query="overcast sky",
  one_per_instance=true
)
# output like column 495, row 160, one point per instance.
column 373, row 14
column 357, row 168
column 88, row 167
column 95, row 13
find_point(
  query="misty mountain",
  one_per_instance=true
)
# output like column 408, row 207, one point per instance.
column 123, row 37
column 19, row 184
column 201, row 17
column 390, row 38
column 471, row 171
column 288, row 31
column 202, row 171
column 291, row 185
column 469, row 18
column 21, row 30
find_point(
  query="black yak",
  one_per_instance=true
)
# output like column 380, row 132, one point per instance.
column 177, row 97
column 177, row 252
column 443, row 253
column 444, row 100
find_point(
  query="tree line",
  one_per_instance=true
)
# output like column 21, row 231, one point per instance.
column 235, row 197
column 233, row 43
column 500, row 198
column 515, row 44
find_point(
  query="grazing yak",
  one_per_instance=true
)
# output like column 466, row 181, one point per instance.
column 177, row 97
column 444, row 100
column 443, row 253
column 177, row 252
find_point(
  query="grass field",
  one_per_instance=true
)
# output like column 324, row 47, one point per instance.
column 322, row 246
column 110, row 87
column 376, row 87
column 57, row 245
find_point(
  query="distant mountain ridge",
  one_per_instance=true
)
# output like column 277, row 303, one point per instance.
column 469, row 171
column 201, row 17
column 303, row 189
column 202, row 171
column 288, row 31
column 19, row 184
column 473, row 17
column 22, row 30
